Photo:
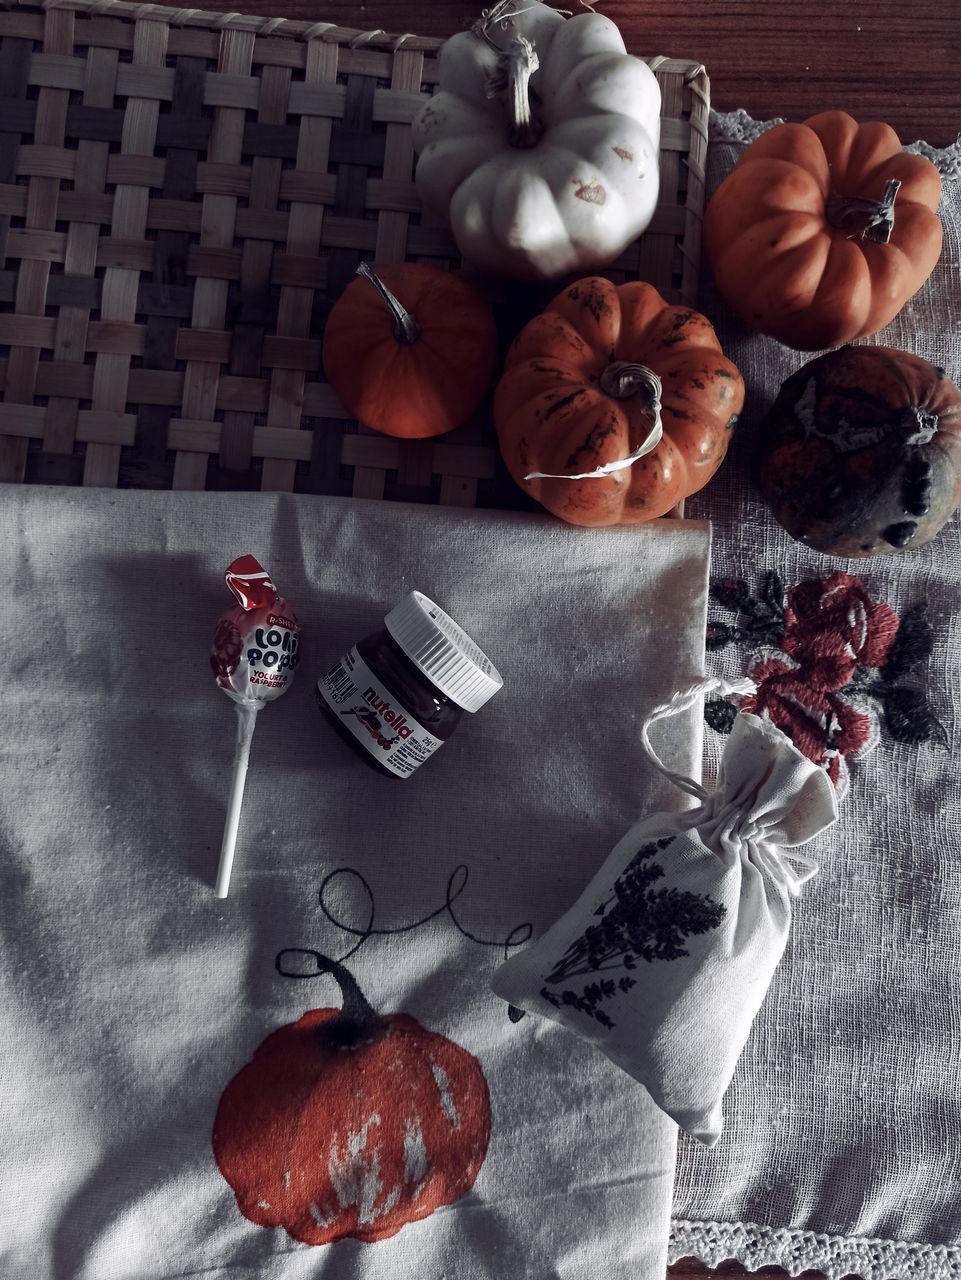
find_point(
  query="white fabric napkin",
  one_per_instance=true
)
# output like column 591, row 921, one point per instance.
column 666, row 956
column 139, row 1012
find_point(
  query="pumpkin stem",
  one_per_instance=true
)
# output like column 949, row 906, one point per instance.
column 843, row 211
column 356, row 1013
column 406, row 328
column 515, row 66
column 499, row 14
column 621, row 380
column 624, row 379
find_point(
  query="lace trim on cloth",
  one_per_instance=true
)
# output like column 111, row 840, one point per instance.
column 798, row 1251
column 738, row 127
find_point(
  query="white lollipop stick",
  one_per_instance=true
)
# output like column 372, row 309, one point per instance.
column 246, row 722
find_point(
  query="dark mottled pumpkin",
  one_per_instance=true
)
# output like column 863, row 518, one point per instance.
column 861, row 452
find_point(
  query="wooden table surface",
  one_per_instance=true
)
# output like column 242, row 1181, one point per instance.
column 893, row 60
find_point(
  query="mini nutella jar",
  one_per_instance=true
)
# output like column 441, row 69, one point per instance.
column 399, row 693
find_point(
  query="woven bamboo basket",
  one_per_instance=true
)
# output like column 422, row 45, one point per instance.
column 184, row 194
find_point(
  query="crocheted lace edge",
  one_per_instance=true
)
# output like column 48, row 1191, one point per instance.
column 797, row 1251
column 739, row 127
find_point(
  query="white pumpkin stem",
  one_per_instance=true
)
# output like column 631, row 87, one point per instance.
column 515, row 66
column 500, row 13
column 621, row 380
column 406, row 328
column 841, row 211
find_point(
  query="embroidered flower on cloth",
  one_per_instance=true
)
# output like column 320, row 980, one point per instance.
column 828, row 666
column 831, row 627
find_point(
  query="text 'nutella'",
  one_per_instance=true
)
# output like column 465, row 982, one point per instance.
column 399, row 693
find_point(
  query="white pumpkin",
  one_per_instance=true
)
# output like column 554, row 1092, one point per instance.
column 540, row 147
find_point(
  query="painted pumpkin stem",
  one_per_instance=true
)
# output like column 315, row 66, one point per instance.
column 356, row 1013
column 515, row 66
column 844, row 211
column 406, row 328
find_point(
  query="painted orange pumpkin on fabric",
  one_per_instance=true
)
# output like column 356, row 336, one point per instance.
column 410, row 349
column 347, row 1123
column 823, row 230
column 615, row 405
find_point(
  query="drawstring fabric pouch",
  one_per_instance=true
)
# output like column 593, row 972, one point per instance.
column 665, row 958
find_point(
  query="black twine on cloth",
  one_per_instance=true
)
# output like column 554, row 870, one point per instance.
column 456, row 885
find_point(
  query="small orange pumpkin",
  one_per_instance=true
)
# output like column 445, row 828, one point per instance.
column 823, row 230
column 608, row 373
column 410, row 350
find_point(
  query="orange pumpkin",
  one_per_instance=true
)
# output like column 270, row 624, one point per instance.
column 603, row 373
column 410, row 350
column 823, row 230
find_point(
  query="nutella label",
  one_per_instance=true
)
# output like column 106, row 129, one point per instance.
column 369, row 712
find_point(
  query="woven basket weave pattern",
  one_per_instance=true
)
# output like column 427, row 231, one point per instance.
column 181, row 197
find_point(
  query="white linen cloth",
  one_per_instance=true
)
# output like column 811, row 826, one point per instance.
column 666, row 956
column 130, row 996
column 842, row 1148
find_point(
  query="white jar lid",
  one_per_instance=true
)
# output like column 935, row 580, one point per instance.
column 443, row 651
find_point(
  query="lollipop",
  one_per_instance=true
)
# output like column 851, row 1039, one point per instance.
column 253, row 657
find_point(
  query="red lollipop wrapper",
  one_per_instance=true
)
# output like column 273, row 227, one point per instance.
column 254, row 656
column 254, row 653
